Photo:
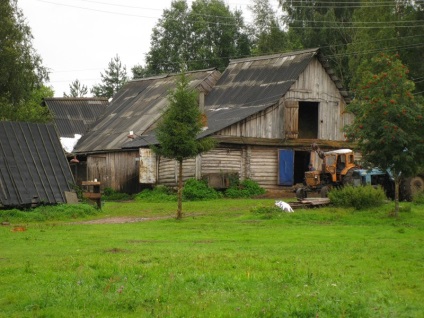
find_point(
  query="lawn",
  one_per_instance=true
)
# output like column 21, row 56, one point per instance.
column 221, row 260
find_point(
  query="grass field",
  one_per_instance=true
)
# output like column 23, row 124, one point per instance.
column 221, row 260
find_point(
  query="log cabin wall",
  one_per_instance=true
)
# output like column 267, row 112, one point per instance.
column 116, row 170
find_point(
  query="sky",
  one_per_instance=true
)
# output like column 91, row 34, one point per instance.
column 77, row 39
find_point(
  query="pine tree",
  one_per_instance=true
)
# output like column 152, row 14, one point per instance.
column 114, row 78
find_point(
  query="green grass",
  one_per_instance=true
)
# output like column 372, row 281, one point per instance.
column 221, row 260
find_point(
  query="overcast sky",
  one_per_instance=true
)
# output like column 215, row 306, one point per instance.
column 77, row 38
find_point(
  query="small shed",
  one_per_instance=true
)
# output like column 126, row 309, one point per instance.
column 33, row 166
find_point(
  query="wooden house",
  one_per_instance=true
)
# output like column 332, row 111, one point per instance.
column 131, row 115
column 33, row 166
column 265, row 112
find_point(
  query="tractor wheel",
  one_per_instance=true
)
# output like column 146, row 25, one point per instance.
column 410, row 187
column 301, row 194
column 348, row 178
column 324, row 192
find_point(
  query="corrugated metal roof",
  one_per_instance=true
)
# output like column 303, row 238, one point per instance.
column 33, row 166
column 75, row 115
column 246, row 87
column 250, row 85
column 136, row 107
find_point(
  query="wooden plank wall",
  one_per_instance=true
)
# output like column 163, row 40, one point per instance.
column 264, row 166
column 265, row 124
column 116, row 170
column 314, row 85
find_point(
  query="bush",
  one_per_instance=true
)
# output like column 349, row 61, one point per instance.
column 357, row 197
column 157, row 194
column 197, row 190
column 418, row 198
column 112, row 195
column 245, row 189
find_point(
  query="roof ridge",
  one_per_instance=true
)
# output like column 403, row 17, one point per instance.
column 273, row 56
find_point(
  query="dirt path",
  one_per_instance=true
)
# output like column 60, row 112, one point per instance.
column 122, row 219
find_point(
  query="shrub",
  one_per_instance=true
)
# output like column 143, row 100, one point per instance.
column 245, row 189
column 357, row 197
column 112, row 195
column 418, row 198
column 157, row 194
column 196, row 190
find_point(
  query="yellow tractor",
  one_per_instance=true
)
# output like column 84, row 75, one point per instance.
column 337, row 170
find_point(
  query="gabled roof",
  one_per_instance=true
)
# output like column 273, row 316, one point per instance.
column 250, row 85
column 136, row 107
column 246, row 87
column 33, row 166
column 75, row 115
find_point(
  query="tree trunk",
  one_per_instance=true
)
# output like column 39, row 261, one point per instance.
column 180, row 190
column 397, row 183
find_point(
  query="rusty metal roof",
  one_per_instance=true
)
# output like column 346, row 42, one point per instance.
column 136, row 107
column 75, row 115
column 33, row 166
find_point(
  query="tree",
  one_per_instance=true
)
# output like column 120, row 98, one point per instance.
column 268, row 37
column 388, row 125
column 138, row 71
column 178, row 130
column 21, row 71
column 395, row 26
column 206, row 36
column 114, row 78
column 322, row 23
column 76, row 89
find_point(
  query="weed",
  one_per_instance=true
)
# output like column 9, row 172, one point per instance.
column 357, row 197
column 195, row 190
column 244, row 189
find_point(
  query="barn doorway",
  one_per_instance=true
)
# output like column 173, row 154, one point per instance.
column 301, row 162
column 308, row 120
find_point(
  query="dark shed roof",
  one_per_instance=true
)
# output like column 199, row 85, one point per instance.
column 246, row 87
column 136, row 107
column 75, row 115
column 33, row 166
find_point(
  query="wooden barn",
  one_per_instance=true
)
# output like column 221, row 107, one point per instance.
column 131, row 115
column 265, row 112
column 33, row 166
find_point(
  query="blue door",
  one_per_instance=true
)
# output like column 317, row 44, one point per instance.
column 285, row 167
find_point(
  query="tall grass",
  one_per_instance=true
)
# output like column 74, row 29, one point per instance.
column 221, row 260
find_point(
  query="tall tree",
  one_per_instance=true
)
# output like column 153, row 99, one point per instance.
column 21, row 70
column 113, row 79
column 178, row 130
column 322, row 23
column 388, row 125
column 268, row 36
column 76, row 89
column 391, row 26
column 206, row 36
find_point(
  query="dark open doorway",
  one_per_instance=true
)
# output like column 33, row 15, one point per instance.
column 301, row 161
column 308, row 120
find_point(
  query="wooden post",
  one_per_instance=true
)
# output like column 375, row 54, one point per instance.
column 95, row 194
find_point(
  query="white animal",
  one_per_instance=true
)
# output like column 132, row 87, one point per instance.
column 284, row 206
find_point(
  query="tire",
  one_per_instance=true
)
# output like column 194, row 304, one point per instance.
column 410, row 187
column 301, row 194
column 324, row 192
column 348, row 178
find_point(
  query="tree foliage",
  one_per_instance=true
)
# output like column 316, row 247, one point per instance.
column 76, row 89
column 206, row 36
column 268, row 36
column 113, row 79
column 21, row 71
column 388, row 125
column 177, row 132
